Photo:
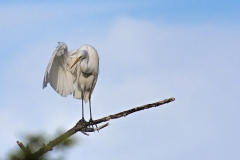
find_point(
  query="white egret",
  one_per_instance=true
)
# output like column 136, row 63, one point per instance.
column 73, row 72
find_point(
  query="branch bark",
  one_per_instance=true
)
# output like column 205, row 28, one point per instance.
column 85, row 127
column 130, row 111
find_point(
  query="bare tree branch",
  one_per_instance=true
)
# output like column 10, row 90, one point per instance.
column 127, row 112
column 85, row 127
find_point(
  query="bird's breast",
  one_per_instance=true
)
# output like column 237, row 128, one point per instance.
column 85, row 81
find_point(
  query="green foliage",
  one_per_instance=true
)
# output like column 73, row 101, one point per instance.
column 35, row 142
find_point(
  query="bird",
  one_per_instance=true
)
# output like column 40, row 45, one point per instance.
column 74, row 72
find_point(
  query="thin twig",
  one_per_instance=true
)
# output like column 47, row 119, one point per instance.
column 24, row 149
column 101, row 127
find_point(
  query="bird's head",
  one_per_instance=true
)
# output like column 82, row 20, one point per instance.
column 80, row 55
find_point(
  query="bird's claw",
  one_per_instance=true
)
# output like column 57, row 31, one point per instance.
column 91, row 123
column 83, row 123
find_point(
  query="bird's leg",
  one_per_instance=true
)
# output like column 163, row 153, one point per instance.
column 82, row 121
column 90, row 109
column 82, row 110
column 91, row 122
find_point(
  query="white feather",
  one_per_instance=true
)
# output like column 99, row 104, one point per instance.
column 80, row 79
column 58, row 73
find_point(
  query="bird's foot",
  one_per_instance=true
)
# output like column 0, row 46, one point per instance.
column 83, row 123
column 91, row 123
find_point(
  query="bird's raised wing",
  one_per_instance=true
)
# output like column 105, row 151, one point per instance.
column 58, row 72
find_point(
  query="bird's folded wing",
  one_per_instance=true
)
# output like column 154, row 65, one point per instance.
column 58, row 74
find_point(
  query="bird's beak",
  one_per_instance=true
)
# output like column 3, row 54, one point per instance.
column 76, row 60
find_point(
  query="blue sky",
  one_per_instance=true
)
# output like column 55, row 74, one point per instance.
column 148, row 51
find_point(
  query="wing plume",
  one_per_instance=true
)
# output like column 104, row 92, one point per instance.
column 58, row 73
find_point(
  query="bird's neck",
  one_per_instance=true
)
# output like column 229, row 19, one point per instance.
column 85, row 67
